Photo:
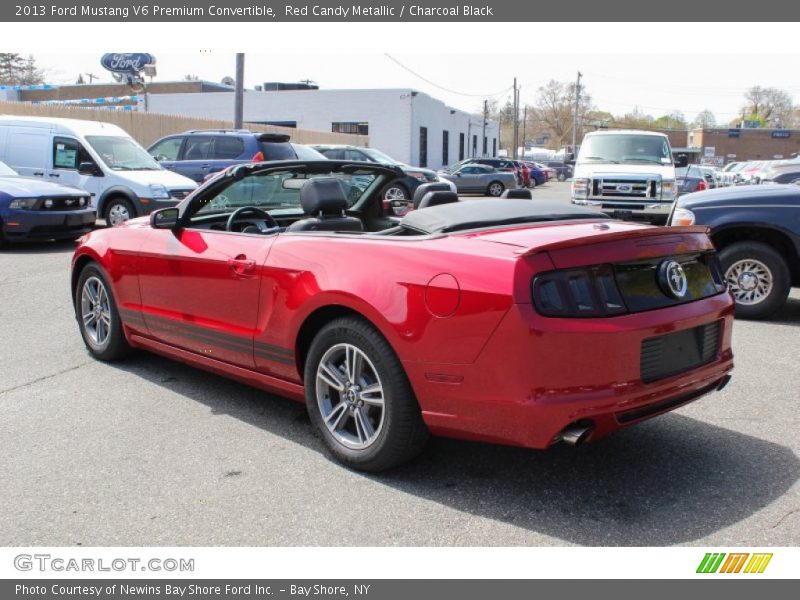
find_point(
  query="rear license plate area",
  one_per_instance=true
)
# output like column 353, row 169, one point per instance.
column 674, row 353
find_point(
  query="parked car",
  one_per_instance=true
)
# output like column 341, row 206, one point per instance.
column 757, row 234
column 711, row 175
column 728, row 173
column 690, row 179
column 538, row 175
column 549, row 172
column 32, row 209
column 120, row 176
column 563, row 169
column 784, row 172
column 281, row 277
column 474, row 178
column 499, row 164
column 395, row 192
column 199, row 153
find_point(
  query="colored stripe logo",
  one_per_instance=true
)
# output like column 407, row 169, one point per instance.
column 735, row 562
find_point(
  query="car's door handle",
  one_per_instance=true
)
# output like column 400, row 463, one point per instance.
column 53, row 175
column 241, row 265
column 38, row 173
column 205, row 166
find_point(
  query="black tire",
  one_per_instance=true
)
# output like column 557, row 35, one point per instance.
column 562, row 177
column 495, row 189
column 400, row 192
column 3, row 241
column 738, row 254
column 117, row 206
column 401, row 434
column 532, row 185
column 114, row 346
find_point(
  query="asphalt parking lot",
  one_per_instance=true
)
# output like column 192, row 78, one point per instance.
column 151, row 452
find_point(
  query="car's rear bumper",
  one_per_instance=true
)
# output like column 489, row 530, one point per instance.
column 535, row 376
column 43, row 225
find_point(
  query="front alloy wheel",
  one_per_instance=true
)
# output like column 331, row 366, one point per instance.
column 394, row 192
column 495, row 189
column 95, row 312
column 97, row 315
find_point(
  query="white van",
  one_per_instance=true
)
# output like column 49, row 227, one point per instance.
column 123, row 179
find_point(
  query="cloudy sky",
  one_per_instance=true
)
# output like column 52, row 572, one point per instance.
column 658, row 67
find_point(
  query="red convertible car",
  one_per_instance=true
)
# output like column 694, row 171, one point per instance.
column 521, row 322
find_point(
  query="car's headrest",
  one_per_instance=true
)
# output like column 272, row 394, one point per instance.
column 437, row 198
column 518, row 193
column 322, row 196
column 436, row 186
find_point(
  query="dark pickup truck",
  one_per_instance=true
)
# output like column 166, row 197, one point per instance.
column 756, row 230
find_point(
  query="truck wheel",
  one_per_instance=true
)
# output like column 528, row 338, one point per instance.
column 359, row 398
column 758, row 278
column 118, row 210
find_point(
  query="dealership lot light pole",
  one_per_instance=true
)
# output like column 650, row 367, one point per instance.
column 238, row 99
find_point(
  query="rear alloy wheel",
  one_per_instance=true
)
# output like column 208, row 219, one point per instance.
column 118, row 210
column 562, row 177
column 98, row 318
column 757, row 276
column 495, row 189
column 359, row 398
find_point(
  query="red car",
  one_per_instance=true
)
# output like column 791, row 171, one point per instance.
column 508, row 321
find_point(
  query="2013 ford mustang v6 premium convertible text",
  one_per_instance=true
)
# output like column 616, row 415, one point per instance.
column 520, row 322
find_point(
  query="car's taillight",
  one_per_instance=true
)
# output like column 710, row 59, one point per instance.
column 589, row 292
column 701, row 185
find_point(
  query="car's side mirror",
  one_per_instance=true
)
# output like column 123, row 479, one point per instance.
column 681, row 161
column 89, row 168
column 165, row 218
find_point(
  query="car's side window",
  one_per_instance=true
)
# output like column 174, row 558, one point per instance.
column 227, row 147
column 197, row 147
column 354, row 155
column 334, row 154
column 69, row 153
column 167, row 149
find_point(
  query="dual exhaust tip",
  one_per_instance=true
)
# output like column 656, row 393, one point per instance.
column 576, row 433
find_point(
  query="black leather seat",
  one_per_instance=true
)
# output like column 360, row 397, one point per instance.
column 324, row 202
column 436, row 186
column 437, row 198
column 519, row 193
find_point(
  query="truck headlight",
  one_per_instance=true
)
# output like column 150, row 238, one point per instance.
column 580, row 188
column 668, row 190
column 682, row 216
column 158, row 191
column 22, row 204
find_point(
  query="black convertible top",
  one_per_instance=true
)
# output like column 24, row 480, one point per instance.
column 477, row 214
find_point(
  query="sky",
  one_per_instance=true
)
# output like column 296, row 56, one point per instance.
column 656, row 83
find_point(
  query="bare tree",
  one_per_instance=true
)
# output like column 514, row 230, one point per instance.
column 553, row 111
column 770, row 105
column 705, row 118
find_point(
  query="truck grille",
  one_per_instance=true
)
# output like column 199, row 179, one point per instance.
column 678, row 352
column 623, row 188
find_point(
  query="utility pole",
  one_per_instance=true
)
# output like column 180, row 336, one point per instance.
column 485, row 116
column 516, row 122
column 524, row 123
column 238, row 95
column 575, row 116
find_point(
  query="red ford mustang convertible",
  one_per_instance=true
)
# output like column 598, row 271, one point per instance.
column 512, row 321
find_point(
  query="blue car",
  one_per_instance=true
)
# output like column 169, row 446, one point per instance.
column 31, row 209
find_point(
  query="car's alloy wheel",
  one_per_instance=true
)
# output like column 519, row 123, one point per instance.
column 118, row 211
column 359, row 398
column 495, row 189
column 97, row 315
column 95, row 311
column 750, row 281
column 350, row 396
column 394, row 192
column 562, row 177
column 757, row 276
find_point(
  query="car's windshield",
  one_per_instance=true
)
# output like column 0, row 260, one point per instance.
column 280, row 190
column 625, row 148
column 122, row 153
column 378, row 156
column 6, row 171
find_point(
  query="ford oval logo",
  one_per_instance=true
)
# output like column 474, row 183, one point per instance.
column 624, row 188
column 672, row 279
column 126, row 62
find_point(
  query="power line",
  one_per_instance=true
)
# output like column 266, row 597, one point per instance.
column 441, row 87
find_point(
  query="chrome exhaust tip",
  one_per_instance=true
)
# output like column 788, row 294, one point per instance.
column 576, row 433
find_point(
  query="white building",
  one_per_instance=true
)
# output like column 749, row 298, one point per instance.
column 406, row 124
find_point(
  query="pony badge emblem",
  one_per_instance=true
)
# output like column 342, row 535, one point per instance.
column 672, row 279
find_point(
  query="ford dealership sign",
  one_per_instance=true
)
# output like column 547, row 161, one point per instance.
column 129, row 62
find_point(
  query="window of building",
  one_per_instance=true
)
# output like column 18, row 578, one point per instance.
column 445, row 148
column 485, row 146
column 460, row 146
column 474, row 145
column 350, row 127
column 423, row 146
column 494, row 146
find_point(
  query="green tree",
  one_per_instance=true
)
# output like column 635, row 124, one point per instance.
column 674, row 120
